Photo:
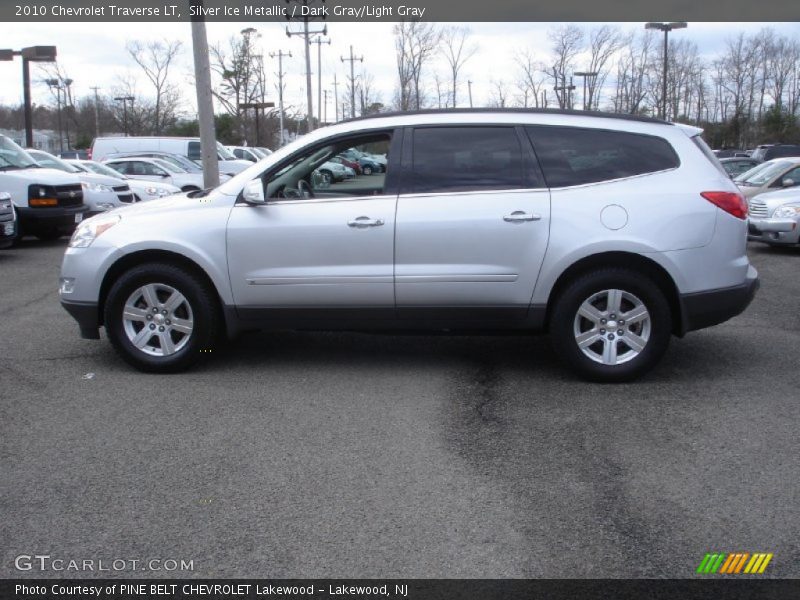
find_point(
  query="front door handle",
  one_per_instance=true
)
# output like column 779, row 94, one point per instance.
column 364, row 222
column 519, row 216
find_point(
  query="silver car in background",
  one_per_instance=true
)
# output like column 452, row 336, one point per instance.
column 610, row 233
column 775, row 218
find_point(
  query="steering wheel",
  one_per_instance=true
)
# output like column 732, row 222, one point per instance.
column 305, row 189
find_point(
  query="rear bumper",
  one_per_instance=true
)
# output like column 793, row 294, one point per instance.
column 87, row 316
column 704, row 309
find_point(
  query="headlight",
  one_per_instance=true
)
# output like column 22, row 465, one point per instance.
column 786, row 212
column 154, row 191
column 89, row 230
column 96, row 187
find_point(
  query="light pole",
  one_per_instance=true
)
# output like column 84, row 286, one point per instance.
column 56, row 84
column 246, row 33
column 30, row 54
column 125, row 100
column 67, row 103
column 666, row 28
column 584, row 75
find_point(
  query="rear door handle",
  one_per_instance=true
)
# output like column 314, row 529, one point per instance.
column 519, row 216
column 364, row 222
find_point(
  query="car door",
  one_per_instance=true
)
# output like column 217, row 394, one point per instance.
column 315, row 257
column 472, row 223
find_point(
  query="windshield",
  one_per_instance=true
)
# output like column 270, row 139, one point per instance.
column 101, row 169
column 47, row 160
column 763, row 173
column 165, row 165
column 224, row 153
column 175, row 162
column 14, row 157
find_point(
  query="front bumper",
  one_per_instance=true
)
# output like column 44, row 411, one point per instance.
column 704, row 309
column 773, row 231
column 87, row 315
column 8, row 231
column 62, row 218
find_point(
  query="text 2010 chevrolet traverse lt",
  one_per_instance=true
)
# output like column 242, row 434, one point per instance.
column 610, row 233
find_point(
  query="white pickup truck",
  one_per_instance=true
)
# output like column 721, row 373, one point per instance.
column 48, row 203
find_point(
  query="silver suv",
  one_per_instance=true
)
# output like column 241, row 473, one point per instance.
column 611, row 233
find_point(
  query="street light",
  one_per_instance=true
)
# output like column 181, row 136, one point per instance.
column 56, row 84
column 125, row 100
column 666, row 28
column 585, row 74
column 29, row 54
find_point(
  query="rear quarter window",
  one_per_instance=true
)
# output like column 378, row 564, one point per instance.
column 576, row 156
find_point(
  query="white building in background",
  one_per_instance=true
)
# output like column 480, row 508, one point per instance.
column 43, row 139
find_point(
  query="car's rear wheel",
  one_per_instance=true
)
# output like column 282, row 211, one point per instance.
column 161, row 318
column 367, row 170
column 611, row 325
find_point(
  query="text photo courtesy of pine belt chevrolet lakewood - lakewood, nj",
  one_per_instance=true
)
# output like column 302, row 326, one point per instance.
column 401, row 300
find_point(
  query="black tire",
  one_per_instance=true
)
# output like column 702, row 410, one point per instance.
column 565, row 310
column 366, row 170
column 190, row 188
column 207, row 322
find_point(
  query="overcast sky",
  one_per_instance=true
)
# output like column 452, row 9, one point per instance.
column 93, row 54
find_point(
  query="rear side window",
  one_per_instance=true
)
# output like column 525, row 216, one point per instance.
column 459, row 159
column 575, row 156
column 194, row 151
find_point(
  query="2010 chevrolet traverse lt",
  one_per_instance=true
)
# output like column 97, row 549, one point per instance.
column 610, row 233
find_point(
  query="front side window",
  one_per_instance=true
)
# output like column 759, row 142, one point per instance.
column 315, row 173
column 576, row 156
column 459, row 159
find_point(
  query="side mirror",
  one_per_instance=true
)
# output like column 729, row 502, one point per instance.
column 788, row 182
column 253, row 192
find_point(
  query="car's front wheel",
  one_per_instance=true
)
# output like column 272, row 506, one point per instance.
column 161, row 318
column 611, row 325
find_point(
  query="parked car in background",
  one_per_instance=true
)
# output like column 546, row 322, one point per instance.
column 369, row 163
column 247, row 153
column 177, row 160
column 100, row 192
column 727, row 152
column 188, row 147
column 77, row 154
column 611, row 233
column 48, row 203
column 769, row 176
column 264, row 151
column 351, row 164
column 8, row 220
column 767, row 152
column 155, row 169
column 335, row 172
column 735, row 166
column 142, row 190
column 775, row 217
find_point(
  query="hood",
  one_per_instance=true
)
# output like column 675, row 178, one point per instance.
column 101, row 179
column 779, row 197
column 42, row 176
column 175, row 202
column 235, row 166
column 158, row 185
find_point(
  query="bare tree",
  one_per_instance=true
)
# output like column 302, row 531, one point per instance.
column 155, row 58
column 499, row 94
column 241, row 70
column 604, row 42
column 567, row 42
column 415, row 44
column 531, row 78
column 457, row 50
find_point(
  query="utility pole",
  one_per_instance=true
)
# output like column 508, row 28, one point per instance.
column 125, row 100
column 319, row 41
column 96, row 112
column 56, row 84
column 326, row 92
column 469, row 85
column 336, row 98
column 280, row 54
column 306, row 38
column 205, row 101
column 566, row 97
column 352, row 61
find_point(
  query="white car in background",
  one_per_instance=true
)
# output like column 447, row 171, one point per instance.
column 155, row 169
column 100, row 192
column 248, row 153
column 142, row 190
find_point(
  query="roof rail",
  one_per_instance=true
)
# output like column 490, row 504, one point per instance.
column 544, row 111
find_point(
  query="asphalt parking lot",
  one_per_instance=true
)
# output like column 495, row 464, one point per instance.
column 348, row 455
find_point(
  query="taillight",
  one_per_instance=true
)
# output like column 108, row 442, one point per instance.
column 89, row 154
column 731, row 202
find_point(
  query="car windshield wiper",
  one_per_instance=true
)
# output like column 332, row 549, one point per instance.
column 9, row 167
